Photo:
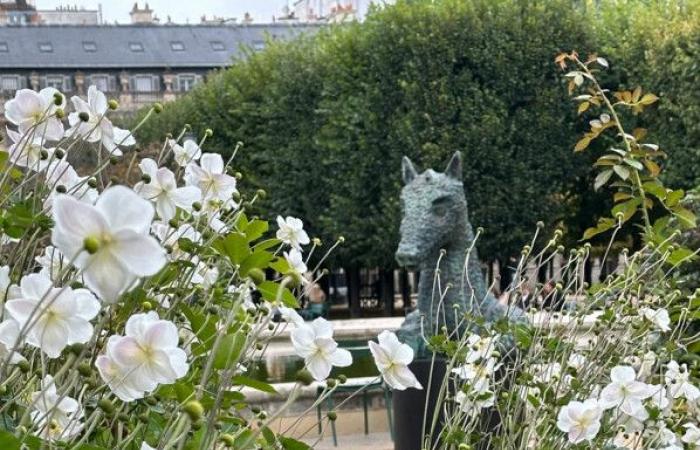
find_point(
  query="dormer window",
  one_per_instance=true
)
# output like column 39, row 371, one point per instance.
column 45, row 47
column 217, row 46
column 136, row 47
column 90, row 46
column 177, row 46
column 4, row 48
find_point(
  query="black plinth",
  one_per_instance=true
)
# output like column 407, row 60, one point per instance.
column 409, row 405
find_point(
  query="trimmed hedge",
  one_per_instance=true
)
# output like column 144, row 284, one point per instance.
column 326, row 119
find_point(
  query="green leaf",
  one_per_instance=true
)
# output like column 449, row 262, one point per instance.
column 267, row 243
column 270, row 291
column 686, row 216
column 674, row 197
column 602, row 178
column 256, row 229
column 268, row 435
column 203, row 327
column 244, row 441
column 234, row 246
column 293, row 444
column 259, row 259
column 241, row 380
column 229, row 350
column 8, row 441
column 622, row 172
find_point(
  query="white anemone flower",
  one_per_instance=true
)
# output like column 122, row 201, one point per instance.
column 692, row 434
column 290, row 315
column 4, row 281
column 56, row 317
column 97, row 128
column 56, row 417
column 626, row 392
column 478, row 374
column 296, row 261
column 9, row 334
column 291, row 232
column 211, row 178
column 186, row 153
column 659, row 397
column 314, row 342
column 170, row 237
column 480, row 347
column 392, row 359
column 117, row 229
column 581, row 421
column 51, row 262
column 145, row 358
column 26, row 151
column 204, row 274
column 145, row 446
column 473, row 404
column 163, row 190
column 29, row 109
column 678, row 382
column 576, row 361
column 659, row 317
column 61, row 173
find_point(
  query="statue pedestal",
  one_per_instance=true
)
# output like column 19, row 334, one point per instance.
column 409, row 405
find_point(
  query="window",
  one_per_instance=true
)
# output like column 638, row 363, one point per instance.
column 135, row 46
column 90, row 46
column 57, row 81
column 145, row 83
column 177, row 46
column 186, row 81
column 258, row 45
column 45, row 47
column 4, row 48
column 9, row 83
column 217, row 46
column 101, row 82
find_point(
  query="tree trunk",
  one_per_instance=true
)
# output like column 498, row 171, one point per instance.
column 353, row 278
column 386, row 290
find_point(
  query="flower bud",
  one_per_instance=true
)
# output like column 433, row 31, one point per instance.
column 540, row 224
column 146, row 178
column 106, row 406
column 84, row 116
column 257, row 275
column 238, row 175
column 342, row 379
column 113, row 104
column 188, row 127
column 92, row 182
column 123, row 417
column 114, row 160
column 173, row 223
column 91, row 245
column 23, row 365
column 60, row 113
column 197, row 206
column 194, row 410
column 44, row 154
column 57, row 98
column 197, row 425
column 332, row 416
column 331, row 382
column 236, row 196
column 341, row 239
column 157, row 108
column 146, row 305
column 227, row 440
column 61, row 189
column 114, row 179
column 261, row 193
column 304, row 377
column 59, row 153
column 84, row 369
column 208, row 132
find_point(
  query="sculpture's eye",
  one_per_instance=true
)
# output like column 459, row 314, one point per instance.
column 440, row 206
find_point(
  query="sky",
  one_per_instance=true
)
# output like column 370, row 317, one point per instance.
column 179, row 10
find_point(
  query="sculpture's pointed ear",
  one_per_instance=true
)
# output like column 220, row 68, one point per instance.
column 408, row 172
column 454, row 167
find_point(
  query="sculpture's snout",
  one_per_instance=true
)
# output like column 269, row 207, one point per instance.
column 407, row 256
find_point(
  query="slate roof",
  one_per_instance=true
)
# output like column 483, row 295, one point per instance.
column 26, row 45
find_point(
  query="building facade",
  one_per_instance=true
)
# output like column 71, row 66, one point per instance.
column 136, row 64
column 331, row 11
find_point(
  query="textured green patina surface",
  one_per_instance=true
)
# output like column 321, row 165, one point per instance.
column 434, row 219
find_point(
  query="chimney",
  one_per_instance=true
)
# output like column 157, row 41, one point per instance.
column 247, row 18
column 141, row 16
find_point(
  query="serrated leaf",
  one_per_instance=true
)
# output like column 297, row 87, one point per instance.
column 259, row 259
column 271, row 290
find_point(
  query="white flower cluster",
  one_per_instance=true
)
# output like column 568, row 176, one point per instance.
column 477, row 373
column 630, row 400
